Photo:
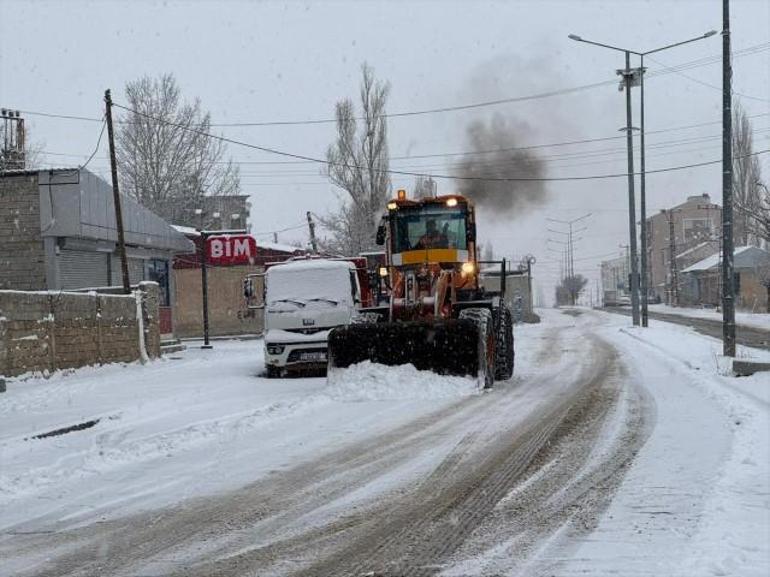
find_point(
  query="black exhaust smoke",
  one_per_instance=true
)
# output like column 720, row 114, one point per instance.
column 497, row 150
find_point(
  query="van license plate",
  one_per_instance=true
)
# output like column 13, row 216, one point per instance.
column 314, row 357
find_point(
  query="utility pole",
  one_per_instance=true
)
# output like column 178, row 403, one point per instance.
column 628, row 78
column 205, row 291
column 116, row 195
column 529, row 260
column 311, row 228
column 673, row 273
column 204, row 281
column 275, row 237
column 643, row 194
column 728, row 290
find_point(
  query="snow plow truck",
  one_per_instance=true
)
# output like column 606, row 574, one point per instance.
column 439, row 317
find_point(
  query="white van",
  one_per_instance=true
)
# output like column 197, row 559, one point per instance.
column 304, row 300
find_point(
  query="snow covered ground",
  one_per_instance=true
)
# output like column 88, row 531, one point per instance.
column 199, row 430
column 758, row 320
column 696, row 500
column 167, row 431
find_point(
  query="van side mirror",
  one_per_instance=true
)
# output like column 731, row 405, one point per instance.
column 248, row 288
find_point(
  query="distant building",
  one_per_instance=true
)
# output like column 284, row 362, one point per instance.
column 58, row 232
column 694, row 223
column 615, row 277
column 701, row 282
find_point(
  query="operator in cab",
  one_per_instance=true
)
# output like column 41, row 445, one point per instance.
column 432, row 237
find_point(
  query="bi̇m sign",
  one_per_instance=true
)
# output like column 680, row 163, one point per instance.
column 230, row 250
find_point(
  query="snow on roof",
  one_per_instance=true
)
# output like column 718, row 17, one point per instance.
column 693, row 249
column 714, row 260
column 186, row 230
column 313, row 264
column 279, row 247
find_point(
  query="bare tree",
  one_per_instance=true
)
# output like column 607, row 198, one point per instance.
column 166, row 161
column 568, row 291
column 357, row 163
column 424, row 186
column 747, row 182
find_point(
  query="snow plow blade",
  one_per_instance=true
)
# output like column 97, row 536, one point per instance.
column 446, row 347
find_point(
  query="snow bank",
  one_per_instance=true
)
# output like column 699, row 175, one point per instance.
column 369, row 381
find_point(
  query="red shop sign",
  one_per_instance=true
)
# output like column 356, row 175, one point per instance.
column 229, row 250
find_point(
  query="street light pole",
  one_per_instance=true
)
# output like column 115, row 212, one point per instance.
column 643, row 168
column 628, row 76
column 643, row 194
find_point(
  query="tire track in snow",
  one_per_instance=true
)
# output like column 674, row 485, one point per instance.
column 277, row 525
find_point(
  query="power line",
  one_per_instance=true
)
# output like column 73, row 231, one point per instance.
column 512, row 149
column 485, row 104
column 410, row 173
column 288, row 228
column 706, row 84
column 98, row 142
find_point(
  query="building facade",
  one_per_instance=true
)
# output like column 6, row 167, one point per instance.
column 58, row 232
column 701, row 283
column 615, row 277
column 682, row 228
column 228, row 313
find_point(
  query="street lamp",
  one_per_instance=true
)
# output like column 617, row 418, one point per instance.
column 643, row 192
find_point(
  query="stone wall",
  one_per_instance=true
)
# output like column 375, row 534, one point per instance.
column 48, row 331
column 228, row 314
column 22, row 258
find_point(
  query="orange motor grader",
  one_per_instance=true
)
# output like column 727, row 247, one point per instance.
column 439, row 317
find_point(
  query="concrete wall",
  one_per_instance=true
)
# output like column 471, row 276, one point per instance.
column 47, row 331
column 228, row 314
column 22, row 258
column 516, row 295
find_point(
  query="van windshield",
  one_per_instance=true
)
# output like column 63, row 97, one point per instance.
column 315, row 286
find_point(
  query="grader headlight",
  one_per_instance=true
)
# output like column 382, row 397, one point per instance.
column 468, row 268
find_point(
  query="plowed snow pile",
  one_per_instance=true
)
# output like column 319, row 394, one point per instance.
column 369, row 381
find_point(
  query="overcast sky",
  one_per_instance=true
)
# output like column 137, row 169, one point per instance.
column 267, row 61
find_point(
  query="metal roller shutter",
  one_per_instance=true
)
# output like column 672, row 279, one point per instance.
column 135, row 271
column 83, row 269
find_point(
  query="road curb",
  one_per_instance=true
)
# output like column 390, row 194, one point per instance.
column 748, row 368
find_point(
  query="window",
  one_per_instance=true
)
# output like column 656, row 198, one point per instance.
column 697, row 229
column 157, row 270
column 429, row 228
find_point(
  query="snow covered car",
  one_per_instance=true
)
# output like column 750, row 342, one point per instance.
column 304, row 300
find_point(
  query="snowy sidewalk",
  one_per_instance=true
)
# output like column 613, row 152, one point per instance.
column 696, row 500
column 754, row 320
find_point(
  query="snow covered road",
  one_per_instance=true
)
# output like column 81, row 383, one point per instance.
column 591, row 460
